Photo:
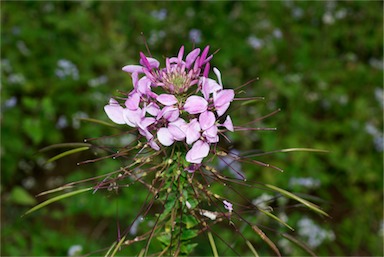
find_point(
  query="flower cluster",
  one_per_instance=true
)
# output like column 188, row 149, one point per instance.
column 176, row 103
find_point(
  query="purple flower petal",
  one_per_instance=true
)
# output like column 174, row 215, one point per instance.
column 193, row 131
column 218, row 74
column 165, row 137
column 181, row 53
column 228, row 123
column 114, row 111
column 169, row 113
column 223, row 97
column 222, row 109
column 195, row 104
column 191, row 57
column 209, row 86
column 133, row 68
column 176, row 132
column 211, row 134
column 153, row 145
column 133, row 101
column 199, row 150
column 143, row 85
column 152, row 109
column 132, row 118
column 228, row 206
column 167, row 99
column 206, row 120
column 149, row 62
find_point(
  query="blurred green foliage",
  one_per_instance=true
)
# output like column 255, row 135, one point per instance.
column 320, row 62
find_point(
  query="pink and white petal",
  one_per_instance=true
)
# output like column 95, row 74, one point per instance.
column 143, row 85
column 115, row 113
column 191, row 57
column 228, row 123
column 133, row 101
column 132, row 118
column 210, row 86
column 167, row 99
column 223, row 97
column 206, row 120
column 195, row 104
column 198, row 152
column 218, row 74
column 153, row 144
column 145, row 122
column 176, row 132
column 133, row 68
column 169, row 113
column 193, row 131
column 153, row 62
column 180, row 54
column 153, row 109
column 222, row 109
column 165, row 137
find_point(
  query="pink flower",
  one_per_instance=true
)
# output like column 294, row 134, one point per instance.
column 198, row 152
column 228, row 206
column 166, row 115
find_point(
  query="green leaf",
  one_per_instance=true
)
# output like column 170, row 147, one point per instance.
column 299, row 199
column 189, row 221
column 187, row 248
column 72, row 151
column 165, row 238
column 57, row 198
column 275, row 218
column 20, row 196
column 188, row 234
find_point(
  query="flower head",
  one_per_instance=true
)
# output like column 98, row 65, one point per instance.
column 177, row 103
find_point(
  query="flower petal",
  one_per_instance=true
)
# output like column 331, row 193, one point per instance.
column 165, row 137
column 211, row 134
column 114, row 111
column 133, row 101
column 209, row 86
column 206, row 120
column 167, row 99
column 191, row 57
column 228, row 123
column 195, row 104
column 199, row 150
column 222, row 109
column 193, row 131
column 223, row 97
column 176, row 132
column 228, row 206
column 133, row 68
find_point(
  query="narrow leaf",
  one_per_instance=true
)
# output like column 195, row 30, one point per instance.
column 252, row 248
column 63, row 145
column 213, row 245
column 299, row 199
column 117, row 247
column 76, row 150
column 266, row 239
column 55, row 190
column 300, row 244
column 57, row 198
column 99, row 122
column 275, row 218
